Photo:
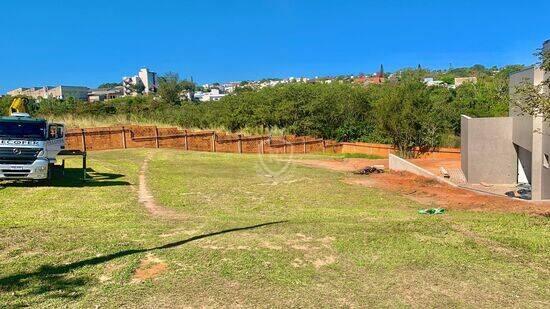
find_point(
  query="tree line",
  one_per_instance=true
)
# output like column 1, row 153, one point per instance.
column 406, row 112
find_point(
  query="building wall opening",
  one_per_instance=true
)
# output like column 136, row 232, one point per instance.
column 524, row 165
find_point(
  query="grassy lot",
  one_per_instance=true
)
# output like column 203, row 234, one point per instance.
column 255, row 232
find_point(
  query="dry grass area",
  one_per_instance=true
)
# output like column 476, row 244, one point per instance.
column 256, row 232
column 71, row 122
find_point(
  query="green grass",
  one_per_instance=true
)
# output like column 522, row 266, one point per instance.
column 324, row 242
column 361, row 156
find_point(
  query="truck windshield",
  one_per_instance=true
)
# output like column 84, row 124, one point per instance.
column 20, row 130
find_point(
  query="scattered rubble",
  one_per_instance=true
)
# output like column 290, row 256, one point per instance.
column 375, row 169
column 523, row 191
column 425, row 191
column 444, row 172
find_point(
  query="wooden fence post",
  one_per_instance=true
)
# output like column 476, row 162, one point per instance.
column 123, row 138
column 186, row 141
column 324, row 146
column 262, row 145
column 284, row 144
column 157, row 137
column 213, row 141
column 240, row 144
column 305, row 140
column 83, row 139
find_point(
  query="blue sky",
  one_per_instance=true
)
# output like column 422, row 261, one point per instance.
column 90, row 42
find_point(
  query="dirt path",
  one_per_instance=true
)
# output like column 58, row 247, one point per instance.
column 427, row 191
column 146, row 198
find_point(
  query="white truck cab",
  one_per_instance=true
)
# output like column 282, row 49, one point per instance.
column 29, row 147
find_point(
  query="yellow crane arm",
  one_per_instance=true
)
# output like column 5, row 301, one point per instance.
column 19, row 105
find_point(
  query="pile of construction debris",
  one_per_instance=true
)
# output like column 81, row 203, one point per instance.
column 523, row 191
column 367, row 170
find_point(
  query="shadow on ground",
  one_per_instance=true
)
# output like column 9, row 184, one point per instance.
column 59, row 283
column 73, row 178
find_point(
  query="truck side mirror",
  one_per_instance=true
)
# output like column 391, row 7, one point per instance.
column 60, row 131
column 52, row 131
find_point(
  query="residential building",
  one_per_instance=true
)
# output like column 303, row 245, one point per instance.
column 376, row 78
column 145, row 78
column 429, row 81
column 230, row 87
column 49, row 92
column 514, row 149
column 462, row 80
column 214, row 95
column 98, row 95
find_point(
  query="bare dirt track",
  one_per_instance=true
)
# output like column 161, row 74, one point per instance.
column 427, row 191
column 147, row 199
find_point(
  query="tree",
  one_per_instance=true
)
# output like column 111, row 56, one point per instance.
column 108, row 85
column 188, row 85
column 170, row 88
column 5, row 103
column 535, row 99
column 409, row 117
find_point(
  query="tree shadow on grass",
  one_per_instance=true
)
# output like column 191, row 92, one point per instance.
column 55, row 280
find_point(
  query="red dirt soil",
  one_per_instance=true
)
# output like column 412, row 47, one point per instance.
column 343, row 165
column 433, row 165
column 428, row 191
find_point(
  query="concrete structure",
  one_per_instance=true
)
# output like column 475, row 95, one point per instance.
column 49, row 92
column 396, row 163
column 514, row 149
column 99, row 95
column 487, row 152
column 214, row 95
column 462, row 80
column 429, row 81
column 144, row 78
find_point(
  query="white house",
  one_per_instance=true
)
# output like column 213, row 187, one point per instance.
column 144, row 77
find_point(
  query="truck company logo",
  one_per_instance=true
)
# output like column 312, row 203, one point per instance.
column 16, row 151
column 19, row 143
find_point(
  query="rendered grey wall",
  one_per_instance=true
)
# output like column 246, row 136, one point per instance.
column 490, row 155
column 464, row 144
column 545, row 181
column 523, row 132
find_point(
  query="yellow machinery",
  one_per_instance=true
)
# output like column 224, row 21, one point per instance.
column 19, row 105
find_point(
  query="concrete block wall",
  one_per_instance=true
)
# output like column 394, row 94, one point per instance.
column 488, row 153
